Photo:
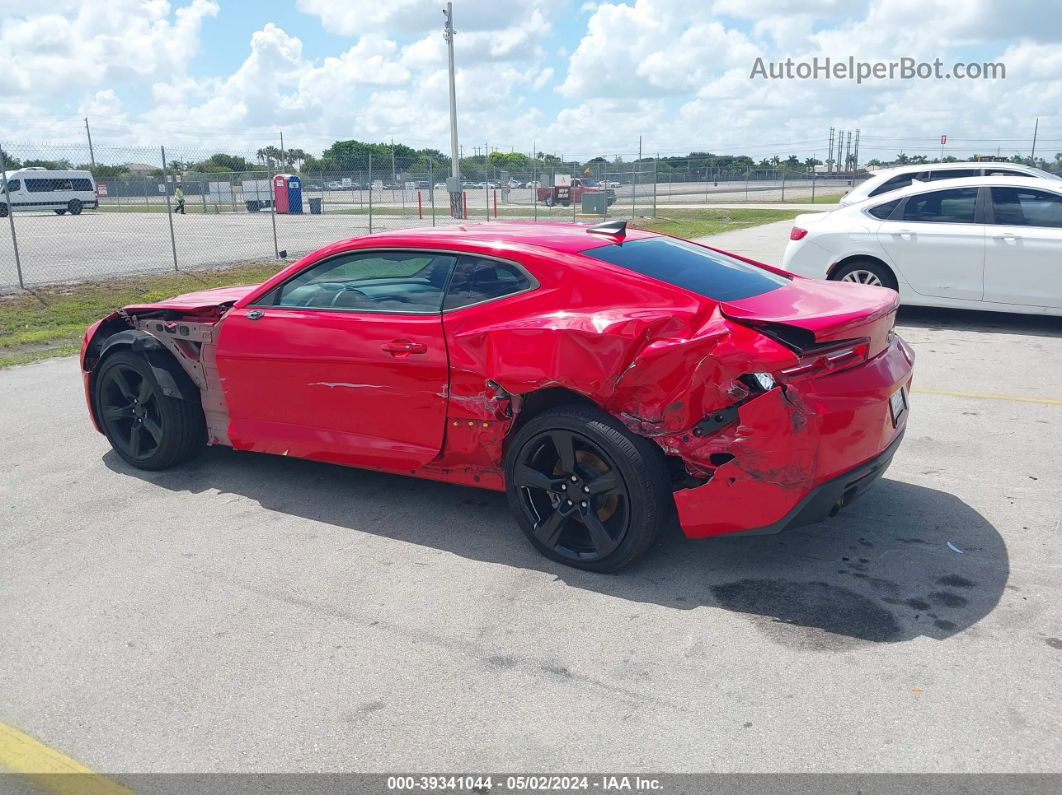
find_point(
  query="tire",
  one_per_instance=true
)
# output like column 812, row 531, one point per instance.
column 60, row 212
column 623, row 477
column 3, row 211
column 146, row 428
column 865, row 271
column 74, row 206
column 549, row 202
column 566, row 203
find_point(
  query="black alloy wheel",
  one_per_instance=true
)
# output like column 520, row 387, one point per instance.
column 147, row 428
column 130, row 412
column 586, row 491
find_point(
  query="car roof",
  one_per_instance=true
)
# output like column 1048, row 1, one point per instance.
column 916, row 167
column 565, row 237
column 962, row 182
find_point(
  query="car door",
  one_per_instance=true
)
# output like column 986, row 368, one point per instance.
column 935, row 240
column 1023, row 249
column 345, row 362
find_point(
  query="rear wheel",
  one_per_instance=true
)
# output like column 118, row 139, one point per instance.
column 3, row 210
column 74, row 206
column 60, row 212
column 586, row 491
column 865, row 271
column 146, row 428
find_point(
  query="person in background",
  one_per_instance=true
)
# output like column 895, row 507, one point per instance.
column 178, row 196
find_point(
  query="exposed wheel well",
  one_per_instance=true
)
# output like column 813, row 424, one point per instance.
column 855, row 257
column 534, row 403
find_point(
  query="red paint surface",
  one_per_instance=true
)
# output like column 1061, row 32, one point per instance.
column 280, row 193
column 437, row 395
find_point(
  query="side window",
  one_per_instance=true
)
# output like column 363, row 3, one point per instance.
column 956, row 206
column 953, row 173
column 13, row 185
column 38, row 185
column 477, row 279
column 883, row 211
column 82, row 184
column 406, row 282
column 895, row 183
column 1006, row 172
column 1026, row 207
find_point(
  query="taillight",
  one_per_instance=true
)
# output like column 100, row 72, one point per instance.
column 826, row 359
column 796, row 233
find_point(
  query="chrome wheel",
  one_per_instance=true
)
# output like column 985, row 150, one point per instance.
column 860, row 276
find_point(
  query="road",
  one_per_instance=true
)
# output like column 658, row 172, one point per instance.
column 255, row 613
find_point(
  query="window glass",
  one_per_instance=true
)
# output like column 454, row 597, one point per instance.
column 410, row 282
column 13, row 185
column 1026, row 207
column 691, row 267
column 477, row 279
column 883, row 211
column 953, row 173
column 82, row 184
column 902, row 181
column 956, row 206
column 38, row 185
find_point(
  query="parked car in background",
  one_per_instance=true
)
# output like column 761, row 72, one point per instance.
column 35, row 189
column 976, row 243
column 607, row 380
column 890, row 179
column 532, row 184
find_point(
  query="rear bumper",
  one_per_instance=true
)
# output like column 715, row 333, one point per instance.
column 825, row 500
column 797, row 453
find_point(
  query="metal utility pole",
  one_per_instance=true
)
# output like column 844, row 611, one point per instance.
column 855, row 152
column 92, row 155
column 394, row 175
column 454, row 186
column 847, row 150
column 829, row 154
column 283, row 159
column 1036, row 129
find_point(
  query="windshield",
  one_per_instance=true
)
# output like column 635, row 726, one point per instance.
column 691, row 267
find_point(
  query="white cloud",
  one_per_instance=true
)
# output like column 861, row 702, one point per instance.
column 97, row 43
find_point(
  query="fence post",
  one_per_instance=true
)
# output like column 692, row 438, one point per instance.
column 431, row 188
column 783, row 185
column 11, row 221
column 534, row 186
column 813, row 178
column 273, row 209
column 370, row 193
column 748, row 172
column 169, row 208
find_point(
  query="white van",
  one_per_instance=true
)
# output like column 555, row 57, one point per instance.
column 31, row 189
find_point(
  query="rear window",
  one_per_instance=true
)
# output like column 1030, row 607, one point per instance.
column 691, row 267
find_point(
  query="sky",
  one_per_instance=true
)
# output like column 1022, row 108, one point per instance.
column 575, row 78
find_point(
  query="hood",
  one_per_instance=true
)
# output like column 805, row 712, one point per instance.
column 199, row 301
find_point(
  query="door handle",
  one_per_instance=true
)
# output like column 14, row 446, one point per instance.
column 904, row 232
column 254, row 314
column 404, row 347
column 1007, row 236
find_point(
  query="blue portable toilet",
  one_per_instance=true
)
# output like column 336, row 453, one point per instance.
column 294, row 195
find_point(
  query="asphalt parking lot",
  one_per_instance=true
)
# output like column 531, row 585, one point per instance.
column 255, row 613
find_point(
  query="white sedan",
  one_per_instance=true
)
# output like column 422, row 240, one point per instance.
column 979, row 243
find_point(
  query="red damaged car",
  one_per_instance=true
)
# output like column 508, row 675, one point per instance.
column 608, row 380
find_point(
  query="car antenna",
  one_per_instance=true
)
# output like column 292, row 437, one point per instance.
column 614, row 228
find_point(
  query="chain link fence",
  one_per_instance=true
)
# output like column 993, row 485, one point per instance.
column 151, row 210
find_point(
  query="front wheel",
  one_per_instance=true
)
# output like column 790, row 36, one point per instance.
column 865, row 271
column 60, row 212
column 146, row 428
column 586, row 491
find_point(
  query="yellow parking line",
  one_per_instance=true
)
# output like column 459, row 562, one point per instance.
column 49, row 769
column 988, row 396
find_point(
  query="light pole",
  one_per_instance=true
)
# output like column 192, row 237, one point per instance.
column 453, row 186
